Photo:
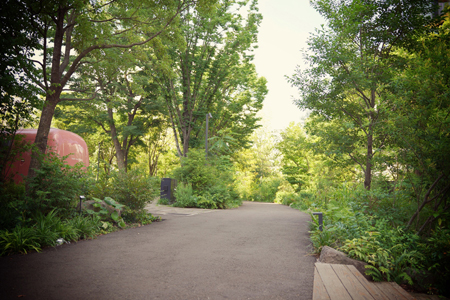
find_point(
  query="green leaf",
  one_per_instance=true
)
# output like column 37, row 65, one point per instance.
column 115, row 216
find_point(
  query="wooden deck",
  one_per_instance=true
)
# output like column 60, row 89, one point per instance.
column 342, row 282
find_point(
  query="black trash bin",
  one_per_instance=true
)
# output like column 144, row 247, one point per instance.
column 168, row 186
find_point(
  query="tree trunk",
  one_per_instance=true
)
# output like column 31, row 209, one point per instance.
column 119, row 151
column 368, row 170
column 52, row 98
column 42, row 133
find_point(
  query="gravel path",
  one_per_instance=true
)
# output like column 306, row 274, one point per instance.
column 257, row 251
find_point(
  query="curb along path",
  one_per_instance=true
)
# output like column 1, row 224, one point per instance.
column 257, row 251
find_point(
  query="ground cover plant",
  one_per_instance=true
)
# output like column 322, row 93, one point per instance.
column 357, row 222
column 47, row 215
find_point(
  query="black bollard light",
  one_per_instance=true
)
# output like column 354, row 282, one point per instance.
column 320, row 220
column 81, row 199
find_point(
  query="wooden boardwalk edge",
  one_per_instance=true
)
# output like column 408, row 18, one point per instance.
column 341, row 282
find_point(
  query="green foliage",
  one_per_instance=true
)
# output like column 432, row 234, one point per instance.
column 18, row 96
column 48, row 228
column 436, row 251
column 45, row 226
column 369, row 226
column 214, row 77
column 12, row 204
column 266, row 189
column 184, row 195
column 285, row 198
column 295, row 161
column 55, row 185
column 19, row 240
column 347, row 84
column 133, row 189
column 205, row 183
column 142, row 216
column 104, row 214
column 387, row 261
column 86, row 226
column 196, row 170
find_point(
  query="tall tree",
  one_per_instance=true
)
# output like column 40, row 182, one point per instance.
column 210, row 72
column 69, row 30
column 295, row 161
column 352, row 60
column 18, row 95
column 126, row 103
column 419, row 121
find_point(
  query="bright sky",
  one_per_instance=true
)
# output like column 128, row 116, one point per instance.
column 283, row 33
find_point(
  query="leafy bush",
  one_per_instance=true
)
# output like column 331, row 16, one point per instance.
column 368, row 225
column 48, row 228
column 142, row 216
column 56, row 185
column 45, row 226
column 386, row 261
column 86, row 226
column 101, row 211
column 205, row 183
column 133, row 189
column 197, row 171
column 266, row 190
column 436, row 251
column 19, row 240
column 13, row 204
column 184, row 195
column 285, row 198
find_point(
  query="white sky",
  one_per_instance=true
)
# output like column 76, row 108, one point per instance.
column 283, row 33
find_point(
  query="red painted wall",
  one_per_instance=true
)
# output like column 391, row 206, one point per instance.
column 61, row 142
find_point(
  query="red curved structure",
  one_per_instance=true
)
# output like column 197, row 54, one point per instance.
column 61, row 142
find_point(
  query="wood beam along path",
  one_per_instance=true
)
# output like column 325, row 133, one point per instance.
column 343, row 282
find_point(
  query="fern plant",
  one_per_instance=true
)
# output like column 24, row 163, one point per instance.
column 384, row 263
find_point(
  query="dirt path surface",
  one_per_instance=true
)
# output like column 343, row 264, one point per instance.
column 257, row 251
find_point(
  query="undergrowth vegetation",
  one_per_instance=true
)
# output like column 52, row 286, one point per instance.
column 370, row 226
column 48, row 214
column 205, row 183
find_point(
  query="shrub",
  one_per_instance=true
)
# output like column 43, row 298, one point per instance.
column 197, row 171
column 50, row 227
column 13, row 204
column 19, row 240
column 285, row 198
column 45, row 226
column 205, row 183
column 86, row 226
column 386, row 261
column 133, row 189
column 56, row 185
column 184, row 195
column 266, row 190
column 142, row 216
column 436, row 250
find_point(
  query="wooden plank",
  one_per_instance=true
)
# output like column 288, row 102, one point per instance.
column 332, row 283
column 419, row 296
column 400, row 290
column 351, row 283
column 372, row 289
column 319, row 291
column 391, row 292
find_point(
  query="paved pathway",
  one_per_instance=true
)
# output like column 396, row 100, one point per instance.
column 257, row 251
